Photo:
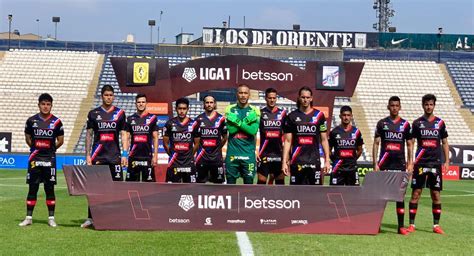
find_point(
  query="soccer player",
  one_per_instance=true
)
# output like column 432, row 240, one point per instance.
column 269, row 154
column 143, row 134
column 304, row 130
column 104, row 126
column 213, row 134
column 44, row 134
column 346, row 140
column 392, row 133
column 243, row 120
column 181, row 141
column 432, row 143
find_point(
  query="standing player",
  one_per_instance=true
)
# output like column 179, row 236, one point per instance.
column 181, row 141
column 143, row 133
column 392, row 133
column 213, row 134
column 44, row 134
column 242, row 122
column 269, row 155
column 430, row 132
column 104, row 126
column 347, row 143
column 304, row 129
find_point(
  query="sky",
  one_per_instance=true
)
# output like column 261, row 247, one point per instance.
column 112, row 20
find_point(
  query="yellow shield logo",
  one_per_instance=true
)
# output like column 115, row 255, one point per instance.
column 140, row 72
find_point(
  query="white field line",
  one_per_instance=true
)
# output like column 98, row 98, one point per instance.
column 245, row 245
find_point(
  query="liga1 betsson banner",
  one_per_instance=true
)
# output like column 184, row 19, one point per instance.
column 288, row 209
column 292, row 38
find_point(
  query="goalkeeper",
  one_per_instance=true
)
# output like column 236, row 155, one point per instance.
column 242, row 123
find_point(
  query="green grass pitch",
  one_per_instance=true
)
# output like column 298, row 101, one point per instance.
column 68, row 238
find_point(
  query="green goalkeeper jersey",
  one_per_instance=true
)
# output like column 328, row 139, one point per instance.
column 242, row 124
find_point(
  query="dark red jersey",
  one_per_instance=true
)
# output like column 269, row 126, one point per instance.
column 306, row 130
column 181, row 136
column 43, row 134
column 428, row 135
column 106, row 126
column 141, row 130
column 345, row 144
column 393, row 136
column 210, row 129
column 271, row 133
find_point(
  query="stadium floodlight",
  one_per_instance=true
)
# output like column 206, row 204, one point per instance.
column 56, row 20
column 151, row 23
column 440, row 33
column 10, row 18
column 38, row 24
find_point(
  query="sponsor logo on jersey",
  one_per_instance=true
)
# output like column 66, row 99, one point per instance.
column 42, row 144
column 429, row 143
column 181, row 146
column 305, row 140
column 107, row 137
column 346, row 153
column 140, row 138
column 272, row 134
column 43, row 132
column 209, row 143
column 393, row 147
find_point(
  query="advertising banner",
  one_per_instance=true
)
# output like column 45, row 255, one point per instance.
column 5, row 142
column 288, row 209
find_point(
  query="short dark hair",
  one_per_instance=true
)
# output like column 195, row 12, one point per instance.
column 393, row 98
column 182, row 101
column 270, row 90
column 428, row 97
column 345, row 109
column 208, row 95
column 106, row 88
column 140, row 95
column 45, row 97
column 242, row 85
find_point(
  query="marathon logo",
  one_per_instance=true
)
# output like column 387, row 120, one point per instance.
column 209, row 143
column 140, row 138
column 181, row 146
column 272, row 134
column 214, row 202
column 393, row 147
column 305, row 140
column 349, row 153
column 107, row 125
column 43, row 144
column 237, row 221
column 429, row 143
column 107, row 137
column 43, row 132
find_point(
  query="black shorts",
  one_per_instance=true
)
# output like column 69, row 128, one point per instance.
column 210, row 172
column 267, row 168
column 427, row 176
column 306, row 174
column 181, row 174
column 41, row 172
column 115, row 170
column 137, row 168
column 344, row 178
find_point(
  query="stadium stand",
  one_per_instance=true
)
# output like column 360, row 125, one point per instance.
column 410, row 80
column 463, row 76
column 25, row 74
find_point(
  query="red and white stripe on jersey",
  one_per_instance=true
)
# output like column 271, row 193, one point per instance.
column 200, row 155
column 132, row 151
column 58, row 121
column 295, row 154
column 420, row 154
column 440, row 123
column 96, row 151
column 336, row 166
column 172, row 159
column 405, row 125
column 382, row 160
column 263, row 147
column 220, row 121
column 119, row 114
column 318, row 116
column 33, row 154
